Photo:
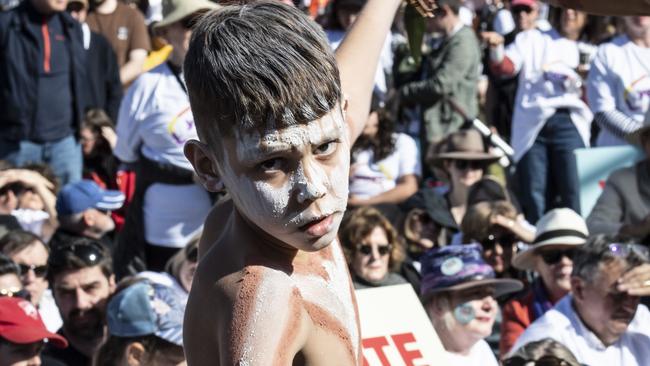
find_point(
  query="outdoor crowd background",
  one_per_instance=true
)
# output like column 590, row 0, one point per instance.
column 94, row 186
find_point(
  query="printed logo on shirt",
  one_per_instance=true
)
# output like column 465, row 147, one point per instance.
column 122, row 33
column 181, row 128
column 559, row 79
column 637, row 94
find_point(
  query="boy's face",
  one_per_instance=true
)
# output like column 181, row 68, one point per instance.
column 291, row 182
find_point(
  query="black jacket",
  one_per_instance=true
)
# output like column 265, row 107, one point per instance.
column 104, row 76
column 19, row 70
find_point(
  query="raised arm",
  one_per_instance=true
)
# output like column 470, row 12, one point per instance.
column 357, row 58
column 606, row 7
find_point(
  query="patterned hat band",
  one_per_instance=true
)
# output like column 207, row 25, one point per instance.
column 448, row 276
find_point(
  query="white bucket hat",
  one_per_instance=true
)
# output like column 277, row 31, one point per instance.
column 175, row 10
column 559, row 228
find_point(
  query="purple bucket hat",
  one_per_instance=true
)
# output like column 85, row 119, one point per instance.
column 458, row 267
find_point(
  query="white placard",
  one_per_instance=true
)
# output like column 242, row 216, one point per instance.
column 396, row 330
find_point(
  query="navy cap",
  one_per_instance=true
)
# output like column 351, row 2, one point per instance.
column 457, row 267
column 146, row 308
column 79, row 196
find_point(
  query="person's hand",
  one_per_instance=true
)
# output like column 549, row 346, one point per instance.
column 514, row 227
column 492, row 39
column 109, row 134
column 424, row 7
column 28, row 178
column 636, row 282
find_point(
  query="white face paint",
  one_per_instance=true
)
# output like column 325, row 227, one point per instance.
column 293, row 182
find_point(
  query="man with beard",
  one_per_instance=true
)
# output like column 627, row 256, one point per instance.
column 600, row 322
column 81, row 275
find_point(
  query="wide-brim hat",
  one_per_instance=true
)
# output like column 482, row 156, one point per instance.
column 557, row 229
column 465, row 145
column 635, row 137
column 459, row 267
column 176, row 10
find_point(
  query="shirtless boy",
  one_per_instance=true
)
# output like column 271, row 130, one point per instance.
column 275, row 130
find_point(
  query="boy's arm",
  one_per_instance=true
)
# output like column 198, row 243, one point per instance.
column 357, row 58
column 606, row 7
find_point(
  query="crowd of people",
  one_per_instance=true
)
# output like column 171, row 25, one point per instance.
column 102, row 214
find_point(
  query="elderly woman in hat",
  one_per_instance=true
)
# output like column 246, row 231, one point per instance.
column 459, row 291
column 559, row 233
column 464, row 160
column 154, row 122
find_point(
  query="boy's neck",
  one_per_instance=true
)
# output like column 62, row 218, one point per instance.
column 264, row 244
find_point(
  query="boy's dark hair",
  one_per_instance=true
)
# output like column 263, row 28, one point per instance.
column 258, row 65
column 17, row 240
column 7, row 266
column 78, row 254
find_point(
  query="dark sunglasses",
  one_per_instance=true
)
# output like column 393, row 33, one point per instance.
column 90, row 253
column 522, row 9
column 39, row 271
column 469, row 164
column 543, row 361
column 383, row 250
column 192, row 254
column 506, row 240
column 554, row 256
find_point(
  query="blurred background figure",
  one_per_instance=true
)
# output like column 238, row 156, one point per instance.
column 543, row 352
column 10, row 284
column 458, row 292
column 145, row 326
column 373, row 249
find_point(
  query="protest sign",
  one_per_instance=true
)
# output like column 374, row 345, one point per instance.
column 396, row 330
column 595, row 165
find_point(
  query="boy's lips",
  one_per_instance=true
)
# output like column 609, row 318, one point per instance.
column 319, row 226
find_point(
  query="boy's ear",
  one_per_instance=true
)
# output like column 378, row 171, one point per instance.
column 199, row 155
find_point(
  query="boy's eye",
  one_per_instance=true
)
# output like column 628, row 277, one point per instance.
column 326, row 148
column 271, row 164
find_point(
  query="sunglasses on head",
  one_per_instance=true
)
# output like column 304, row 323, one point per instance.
column 522, row 9
column 555, row 255
column 469, row 164
column 543, row 361
column 14, row 292
column 506, row 240
column 90, row 253
column 383, row 250
column 623, row 250
column 39, row 271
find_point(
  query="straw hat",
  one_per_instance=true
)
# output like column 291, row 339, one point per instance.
column 465, row 145
column 559, row 228
column 635, row 137
column 176, row 10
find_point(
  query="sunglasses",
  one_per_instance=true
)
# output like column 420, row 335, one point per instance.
column 522, row 9
column 554, row 256
column 192, row 255
column 506, row 240
column 469, row 164
column 543, row 361
column 14, row 292
column 383, row 250
column 39, row 271
column 90, row 253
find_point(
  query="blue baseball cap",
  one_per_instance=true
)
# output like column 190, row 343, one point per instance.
column 79, row 196
column 458, row 267
column 147, row 308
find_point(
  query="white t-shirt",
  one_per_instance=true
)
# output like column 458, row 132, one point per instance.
column 547, row 81
column 479, row 355
column 565, row 326
column 155, row 119
column 49, row 312
column 369, row 178
column 619, row 79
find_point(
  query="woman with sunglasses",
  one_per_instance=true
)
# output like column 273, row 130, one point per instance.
column 372, row 248
column 154, row 122
column 559, row 233
column 463, row 158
